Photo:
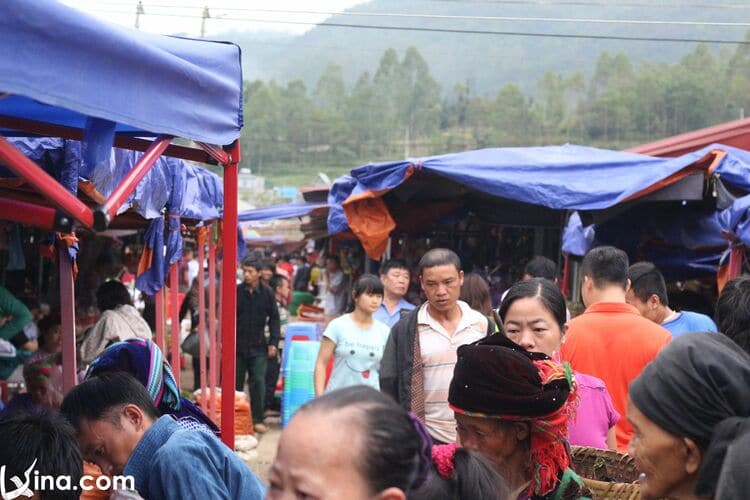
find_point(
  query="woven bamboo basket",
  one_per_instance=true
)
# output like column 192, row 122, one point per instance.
column 609, row 474
column 602, row 490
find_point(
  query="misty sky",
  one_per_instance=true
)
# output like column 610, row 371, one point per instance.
column 184, row 16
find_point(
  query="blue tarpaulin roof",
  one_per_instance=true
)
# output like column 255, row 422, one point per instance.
column 559, row 177
column 201, row 191
column 63, row 66
column 284, row 211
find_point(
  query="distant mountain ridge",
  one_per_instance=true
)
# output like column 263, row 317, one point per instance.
column 486, row 62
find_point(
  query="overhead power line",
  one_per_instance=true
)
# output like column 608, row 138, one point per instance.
column 464, row 31
column 605, row 3
column 540, row 3
column 566, row 20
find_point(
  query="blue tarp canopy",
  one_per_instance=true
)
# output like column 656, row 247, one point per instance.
column 696, row 237
column 556, row 178
column 284, row 211
column 62, row 66
column 201, row 191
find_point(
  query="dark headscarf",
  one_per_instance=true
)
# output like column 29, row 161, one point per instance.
column 496, row 378
column 698, row 387
column 144, row 360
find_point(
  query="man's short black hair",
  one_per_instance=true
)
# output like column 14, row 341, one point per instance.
column 646, row 280
column 439, row 257
column 47, row 438
column 733, row 311
column 393, row 264
column 276, row 281
column 541, row 267
column 606, row 266
column 251, row 261
column 97, row 397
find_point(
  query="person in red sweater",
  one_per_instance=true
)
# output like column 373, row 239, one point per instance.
column 611, row 340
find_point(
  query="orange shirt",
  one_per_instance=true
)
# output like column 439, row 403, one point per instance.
column 614, row 342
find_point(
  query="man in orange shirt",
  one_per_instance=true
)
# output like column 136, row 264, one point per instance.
column 611, row 340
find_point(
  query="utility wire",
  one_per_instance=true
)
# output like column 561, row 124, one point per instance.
column 468, row 18
column 465, row 31
column 540, row 3
column 604, row 3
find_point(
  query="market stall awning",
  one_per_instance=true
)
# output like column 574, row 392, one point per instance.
column 284, row 211
column 554, row 178
column 64, row 67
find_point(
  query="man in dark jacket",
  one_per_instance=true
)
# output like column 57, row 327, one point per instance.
column 417, row 365
column 256, row 306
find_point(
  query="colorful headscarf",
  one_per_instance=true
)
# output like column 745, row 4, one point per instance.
column 495, row 378
column 39, row 370
column 144, row 360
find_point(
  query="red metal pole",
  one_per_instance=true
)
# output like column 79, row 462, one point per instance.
column 159, row 306
column 34, row 127
column 213, row 344
column 106, row 212
column 202, row 321
column 174, row 305
column 44, row 183
column 68, row 318
column 27, row 214
column 215, row 152
column 229, row 297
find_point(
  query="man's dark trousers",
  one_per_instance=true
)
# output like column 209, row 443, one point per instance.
column 254, row 365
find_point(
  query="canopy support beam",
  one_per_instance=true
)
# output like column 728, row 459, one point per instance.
column 202, row 319
column 213, row 367
column 44, row 183
column 33, row 127
column 107, row 211
column 30, row 214
column 229, row 297
column 68, row 318
column 174, row 315
column 215, row 152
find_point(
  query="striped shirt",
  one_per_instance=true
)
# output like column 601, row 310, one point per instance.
column 438, row 349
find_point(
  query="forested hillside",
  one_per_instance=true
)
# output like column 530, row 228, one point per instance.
column 398, row 109
column 487, row 61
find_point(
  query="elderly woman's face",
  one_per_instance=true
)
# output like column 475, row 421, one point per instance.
column 498, row 441
column 316, row 459
column 666, row 463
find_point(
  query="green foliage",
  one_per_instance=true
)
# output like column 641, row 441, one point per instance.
column 291, row 134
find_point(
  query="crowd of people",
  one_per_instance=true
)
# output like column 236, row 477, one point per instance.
column 452, row 398
column 509, row 390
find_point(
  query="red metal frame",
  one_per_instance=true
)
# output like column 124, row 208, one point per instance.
column 174, row 315
column 229, row 297
column 70, row 204
column 213, row 367
column 159, row 319
column 216, row 153
column 44, row 183
column 121, row 141
column 202, row 320
column 28, row 214
column 106, row 212
column 68, row 318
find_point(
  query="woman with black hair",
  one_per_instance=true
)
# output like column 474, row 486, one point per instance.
column 119, row 321
column 533, row 313
column 356, row 443
column 355, row 341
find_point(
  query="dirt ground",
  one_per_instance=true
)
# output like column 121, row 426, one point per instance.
column 267, row 442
